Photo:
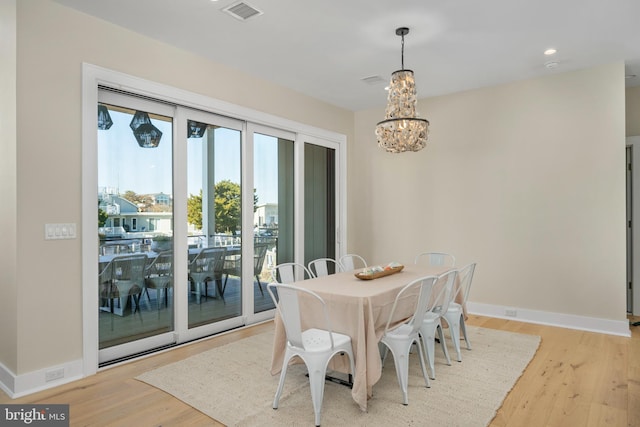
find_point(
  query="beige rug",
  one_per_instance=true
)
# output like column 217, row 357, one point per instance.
column 232, row 384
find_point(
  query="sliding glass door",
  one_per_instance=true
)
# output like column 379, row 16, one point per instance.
column 194, row 210
column 273, row 208
column 214, row 218
column 320, row 202
column 135, row 217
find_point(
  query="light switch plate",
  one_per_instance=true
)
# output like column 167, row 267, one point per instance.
column 60, row 231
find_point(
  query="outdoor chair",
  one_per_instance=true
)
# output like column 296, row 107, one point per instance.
column 123, row 280
column 207, row 266
column 159, row 277
column 233, row 266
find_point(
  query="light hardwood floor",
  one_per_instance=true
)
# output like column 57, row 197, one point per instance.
column 575, row 379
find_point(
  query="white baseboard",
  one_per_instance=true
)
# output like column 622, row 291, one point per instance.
column 21, row 385
column 561, row 320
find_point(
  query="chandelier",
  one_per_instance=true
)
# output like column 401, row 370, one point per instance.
column 147, row 135
column 401, row 130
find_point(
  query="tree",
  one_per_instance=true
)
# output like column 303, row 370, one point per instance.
column 194, row 210
column 102, row 217
column 227, row 205
column 142, row 201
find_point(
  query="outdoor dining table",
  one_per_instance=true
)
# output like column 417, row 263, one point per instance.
column 360, row 309
column 103, row 260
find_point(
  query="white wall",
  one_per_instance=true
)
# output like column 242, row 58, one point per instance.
column 527, row 179
column 633, row 111
column 8, row 169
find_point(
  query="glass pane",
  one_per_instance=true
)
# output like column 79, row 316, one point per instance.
column 273, row 211
column 214, row 223
column 135, row 218
column 319, row 203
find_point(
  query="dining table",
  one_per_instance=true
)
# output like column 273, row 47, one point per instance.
column 360, row 309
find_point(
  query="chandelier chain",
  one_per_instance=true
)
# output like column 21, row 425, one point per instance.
column 402, row 54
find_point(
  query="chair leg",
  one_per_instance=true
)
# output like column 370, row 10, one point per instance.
column 221, row 288
column 146, row 291
column 206, row 288
column 260, row 285
column 283, row 374
column 422, row 364
column 463, row 326
column 443, row 343
column 384, row 350
column 401, row 362
column 428, row 339
column 454, row 330
column 316, row 382
column 224, row 287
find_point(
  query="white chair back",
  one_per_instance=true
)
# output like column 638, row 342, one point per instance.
column 350, row 262
column 288, row 304
column 423, row 288
column 442, row 292
column 320, row 267
column 290, row 272
column 436, row 259
column 465, row 275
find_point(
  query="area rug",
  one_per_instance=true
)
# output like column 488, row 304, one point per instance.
column 233, row 385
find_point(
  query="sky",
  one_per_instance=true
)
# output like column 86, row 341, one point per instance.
column 124, row 165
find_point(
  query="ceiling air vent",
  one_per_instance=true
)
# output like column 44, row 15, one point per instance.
column 242, row 11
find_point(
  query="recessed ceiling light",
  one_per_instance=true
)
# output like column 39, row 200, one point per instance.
column 550, row 51
column 551, row 64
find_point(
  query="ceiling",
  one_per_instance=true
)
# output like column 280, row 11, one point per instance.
column 326, row 48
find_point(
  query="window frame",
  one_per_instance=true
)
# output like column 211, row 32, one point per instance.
column 94, row 76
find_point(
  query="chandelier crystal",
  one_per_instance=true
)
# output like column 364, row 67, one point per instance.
column 402, row 130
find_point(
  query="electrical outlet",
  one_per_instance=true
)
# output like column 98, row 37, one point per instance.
column 54, row 374
column 511, row 312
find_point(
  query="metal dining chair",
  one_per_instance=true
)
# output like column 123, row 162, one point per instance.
column 455, row 312
column 350, row 262
column 316, row 347
column 123, row 278
column 290, row 272
column 436, row 259
column 233, row 266
column 324, row 266
column 435, row 311
column 159, row 277
column 207, row 266
column 400, row 338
